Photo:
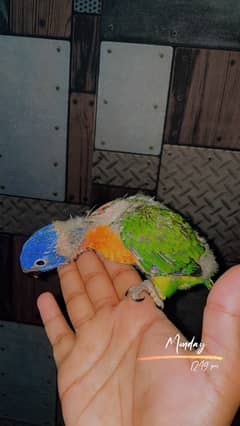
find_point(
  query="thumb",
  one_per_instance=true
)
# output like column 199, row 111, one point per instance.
column 221, row 332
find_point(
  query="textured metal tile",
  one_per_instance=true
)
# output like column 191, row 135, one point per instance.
column 132, row 97
column 28, row 375
column 25, row 215
column 209, row 23
column 128, row 170
column 4, row 4
column 88, row 6
column 34, row 77
column 204, row 184
column 101, row 194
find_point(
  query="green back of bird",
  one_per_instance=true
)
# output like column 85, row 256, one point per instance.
column 166, row 246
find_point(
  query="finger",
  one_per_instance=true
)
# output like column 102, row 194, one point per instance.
column 97, row 282
column 221, row 323
column 123, row 276
column 79, row 307
column 58, row 331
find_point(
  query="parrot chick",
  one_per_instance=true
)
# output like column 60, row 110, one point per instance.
column 135, row 230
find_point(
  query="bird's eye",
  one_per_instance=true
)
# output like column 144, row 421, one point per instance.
column 40, row 262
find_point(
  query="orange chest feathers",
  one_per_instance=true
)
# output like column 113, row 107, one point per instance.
column 107, row 243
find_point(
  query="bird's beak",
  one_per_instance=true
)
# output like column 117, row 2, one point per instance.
column 35, row 274
column 32, row 273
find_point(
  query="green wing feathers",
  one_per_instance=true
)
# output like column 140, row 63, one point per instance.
column 166, row 246
column 162, row 238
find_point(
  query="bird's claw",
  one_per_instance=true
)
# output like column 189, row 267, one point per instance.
column 135, row 293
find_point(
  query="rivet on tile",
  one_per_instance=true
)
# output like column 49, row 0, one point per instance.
column 173, row 33
column 110, row 27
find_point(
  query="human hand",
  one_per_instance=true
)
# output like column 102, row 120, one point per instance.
column 100, row 379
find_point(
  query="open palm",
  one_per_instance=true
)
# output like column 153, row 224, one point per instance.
column 101, row 379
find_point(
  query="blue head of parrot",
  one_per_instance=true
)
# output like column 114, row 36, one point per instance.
column 39, row 253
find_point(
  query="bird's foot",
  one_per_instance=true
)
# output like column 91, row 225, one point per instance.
column 135, row 293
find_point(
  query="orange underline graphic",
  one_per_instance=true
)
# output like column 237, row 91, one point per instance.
column 154, row 358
